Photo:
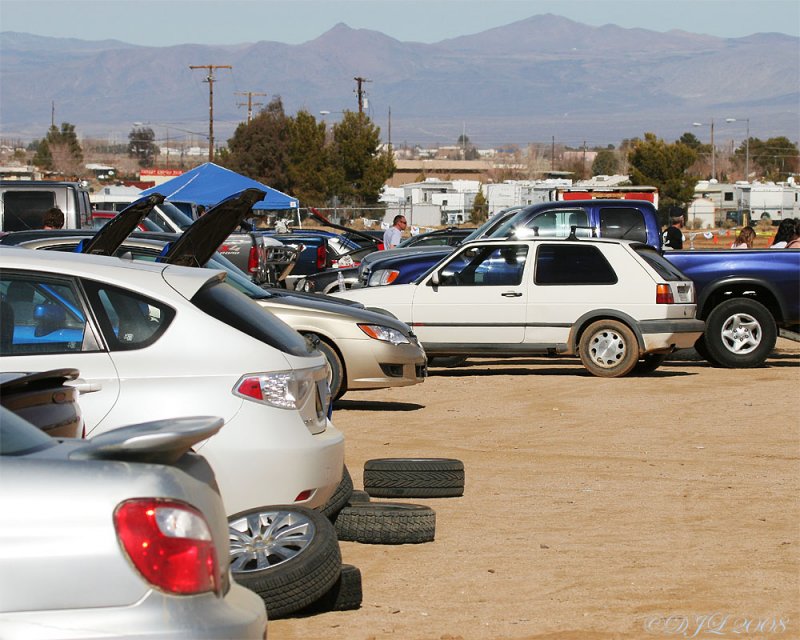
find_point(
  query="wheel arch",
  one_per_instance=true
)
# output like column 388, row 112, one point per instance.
column 330, row 342
column 580, row 325
column 759, row 290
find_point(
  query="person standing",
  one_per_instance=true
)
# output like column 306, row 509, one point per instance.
column 394, row 234
column 745, row 239
column 672, row 238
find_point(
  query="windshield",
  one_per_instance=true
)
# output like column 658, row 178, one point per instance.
column 165, row 213
column 236, row 278
column 489, row 227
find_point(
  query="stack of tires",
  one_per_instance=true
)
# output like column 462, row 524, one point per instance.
column 290, row 555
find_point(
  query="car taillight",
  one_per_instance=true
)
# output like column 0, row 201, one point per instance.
column 322, row 256
column 252, row 260
column 170, row 545
column 282, row 389
column 664, row 294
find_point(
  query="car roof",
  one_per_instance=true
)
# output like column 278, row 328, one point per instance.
column 186, row 280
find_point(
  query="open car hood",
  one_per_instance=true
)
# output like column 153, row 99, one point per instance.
column 113, row 233
column 197, row 244
column 316, row 214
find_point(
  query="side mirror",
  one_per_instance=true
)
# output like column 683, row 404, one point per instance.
column 48, row 318
column 435, row 280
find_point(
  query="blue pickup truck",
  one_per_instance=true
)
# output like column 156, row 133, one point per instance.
column 745, row 296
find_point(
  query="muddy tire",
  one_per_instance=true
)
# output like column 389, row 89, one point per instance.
column 608, row 349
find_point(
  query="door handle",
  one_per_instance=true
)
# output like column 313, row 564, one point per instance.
column 511, row 294
column 85, row 387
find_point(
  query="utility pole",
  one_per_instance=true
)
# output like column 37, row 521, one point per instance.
column 53, row 113
column 390, row 131
column 250, row 104
column 360, row 92
column 210, row 80
column 553, row 153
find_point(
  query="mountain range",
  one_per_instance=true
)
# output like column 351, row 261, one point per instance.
column 532, row 81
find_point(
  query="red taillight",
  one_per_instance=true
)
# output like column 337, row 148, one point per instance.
column 252, row 260
column 381, row 246
column 169, row 543
column 664, row 294
column 321, row 257
column 304, row 495
column 251, row 387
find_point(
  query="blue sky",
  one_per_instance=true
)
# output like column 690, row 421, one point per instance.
column 168, row 22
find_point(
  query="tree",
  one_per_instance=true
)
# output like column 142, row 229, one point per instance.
column 260, row 149
column 60, row 151
column 468, row 149
column 309, row 169
column 665, row 166
column 605, row 163
column 776, row 157
column 359, row 169
column 479, row 212
column 142, row 147
column 691, row 141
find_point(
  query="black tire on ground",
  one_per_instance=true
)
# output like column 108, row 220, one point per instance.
column 447, row 361
column 649, row 363
column 386, row 523
column 414, row 477
column 338, row 376
column 608, row 349
column 288, row 555
column 345, row 595
column 740, row 333
column 701, row 348
column 358, row 496
column 340, row 497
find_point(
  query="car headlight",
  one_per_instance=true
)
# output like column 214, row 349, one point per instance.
column 386, row 334
column 382, row 276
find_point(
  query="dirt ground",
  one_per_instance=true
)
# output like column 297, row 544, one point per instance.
column 643, row 507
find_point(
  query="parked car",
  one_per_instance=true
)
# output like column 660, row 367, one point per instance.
column 44, row 399
column 188, row 343
column 23, row 203
column 611, row 302
column 141, row 540
column 364, row 350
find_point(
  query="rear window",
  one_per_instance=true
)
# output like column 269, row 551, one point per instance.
column 24, row 210
column 228, row 305
column 572, row 264
column 626, row 223
column 663, row 267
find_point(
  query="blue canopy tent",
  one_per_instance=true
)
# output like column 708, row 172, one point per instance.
column 209, row 184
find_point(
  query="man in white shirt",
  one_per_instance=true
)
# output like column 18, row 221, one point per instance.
column 394, row 234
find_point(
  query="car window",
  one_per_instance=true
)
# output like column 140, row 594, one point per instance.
column 42, row 314
column 226, row 304
column 24, row 210
column 572, row 264
column 486, row 266
column 623, row 222
column 127, row 319
column 663, row 267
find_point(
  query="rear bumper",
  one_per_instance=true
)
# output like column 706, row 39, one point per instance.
column 267, row 456
column 239, row 614
column 663, row 335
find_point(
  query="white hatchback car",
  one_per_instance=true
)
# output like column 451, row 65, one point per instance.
column 155, row 341
column 617, row 304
